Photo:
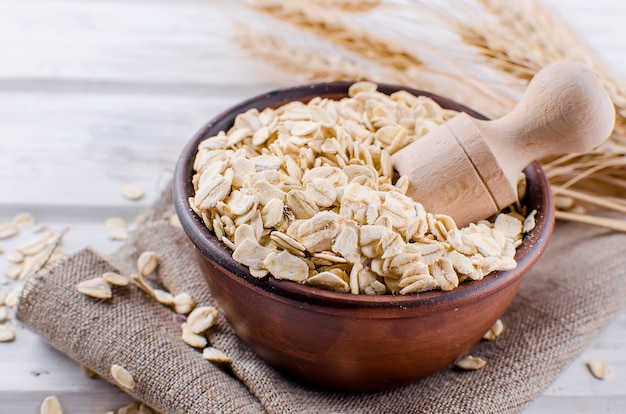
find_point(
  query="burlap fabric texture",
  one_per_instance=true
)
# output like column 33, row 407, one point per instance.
column 573, row 292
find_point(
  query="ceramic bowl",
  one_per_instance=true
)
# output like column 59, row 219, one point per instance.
column 344, row 341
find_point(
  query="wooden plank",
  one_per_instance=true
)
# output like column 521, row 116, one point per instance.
column 76, row 149
column 578, row 405
column 178, row 42
column 162, row 42
column 103, row 398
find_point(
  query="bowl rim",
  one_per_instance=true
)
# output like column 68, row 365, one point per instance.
column 208, row 245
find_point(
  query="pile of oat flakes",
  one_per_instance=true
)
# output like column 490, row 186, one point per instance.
column 307, row 193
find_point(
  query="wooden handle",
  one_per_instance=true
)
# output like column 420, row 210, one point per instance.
column 564, row 109
column 469, row 168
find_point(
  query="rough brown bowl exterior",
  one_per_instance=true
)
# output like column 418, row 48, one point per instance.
column 344, row 341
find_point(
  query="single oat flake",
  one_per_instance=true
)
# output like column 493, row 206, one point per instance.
column 4, row 313
column 7, row 231
column 599, row 369
column 88, row 372
column 24, row 219
column 163, row 297
column 51, row 405
column 192, row 339
column 14, row 270
column 131, row 192
column 147, row 262
column 13, row 296
column 144, row 409
column 122, row 376
column 183, row 303
column 7, row 333
column 495, row 331
column 132, row 408
column 201, row 319
column 115, row 279
column 470, row 363
column 119, row 235
column 15, row 257
column 115, row 222
column 215, row 355
column 96, row 288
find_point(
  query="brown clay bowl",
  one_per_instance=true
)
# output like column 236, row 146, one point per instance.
column 345, row 341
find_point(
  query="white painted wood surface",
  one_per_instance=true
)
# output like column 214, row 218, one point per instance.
column 98, row 93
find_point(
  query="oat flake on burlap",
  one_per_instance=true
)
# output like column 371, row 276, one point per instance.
column 568, row 297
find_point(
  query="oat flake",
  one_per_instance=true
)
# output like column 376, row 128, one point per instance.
column 131, row 192
column 51, row 405
column 122, row 376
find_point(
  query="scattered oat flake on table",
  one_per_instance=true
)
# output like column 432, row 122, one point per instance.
column 144, row 409
column 12, row 297
column 8, row 231
column 96, row 288
column 7, row 333
column 131, row 192
column 122, row 376
column 24, row 219
column 599, row 369
column 35, row 246
column 470, row 363
column 51, row 405
column 119, row 235
column 4, row 314
column 15, row 256
column 88, row 372
column 115, row 222
column 132, row 408
column 14, row 270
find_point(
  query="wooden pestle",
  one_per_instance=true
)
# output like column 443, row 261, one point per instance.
column 469, row 168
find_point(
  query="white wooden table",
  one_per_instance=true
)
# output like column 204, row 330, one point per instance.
column 99, row 93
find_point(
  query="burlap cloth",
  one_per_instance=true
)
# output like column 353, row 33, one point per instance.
column 564, row 302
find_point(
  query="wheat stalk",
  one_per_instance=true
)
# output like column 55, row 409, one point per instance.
column 348, row 5
column 330, row 25
column 401, row 65
column 499, row 47
column 308, row 63
column 526, row 38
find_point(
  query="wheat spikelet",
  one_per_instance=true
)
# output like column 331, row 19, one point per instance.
column 518, row 39
column 333, row 26
column 499, row 47
column 310, row 64
column 528, row 37
column 349, row 5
